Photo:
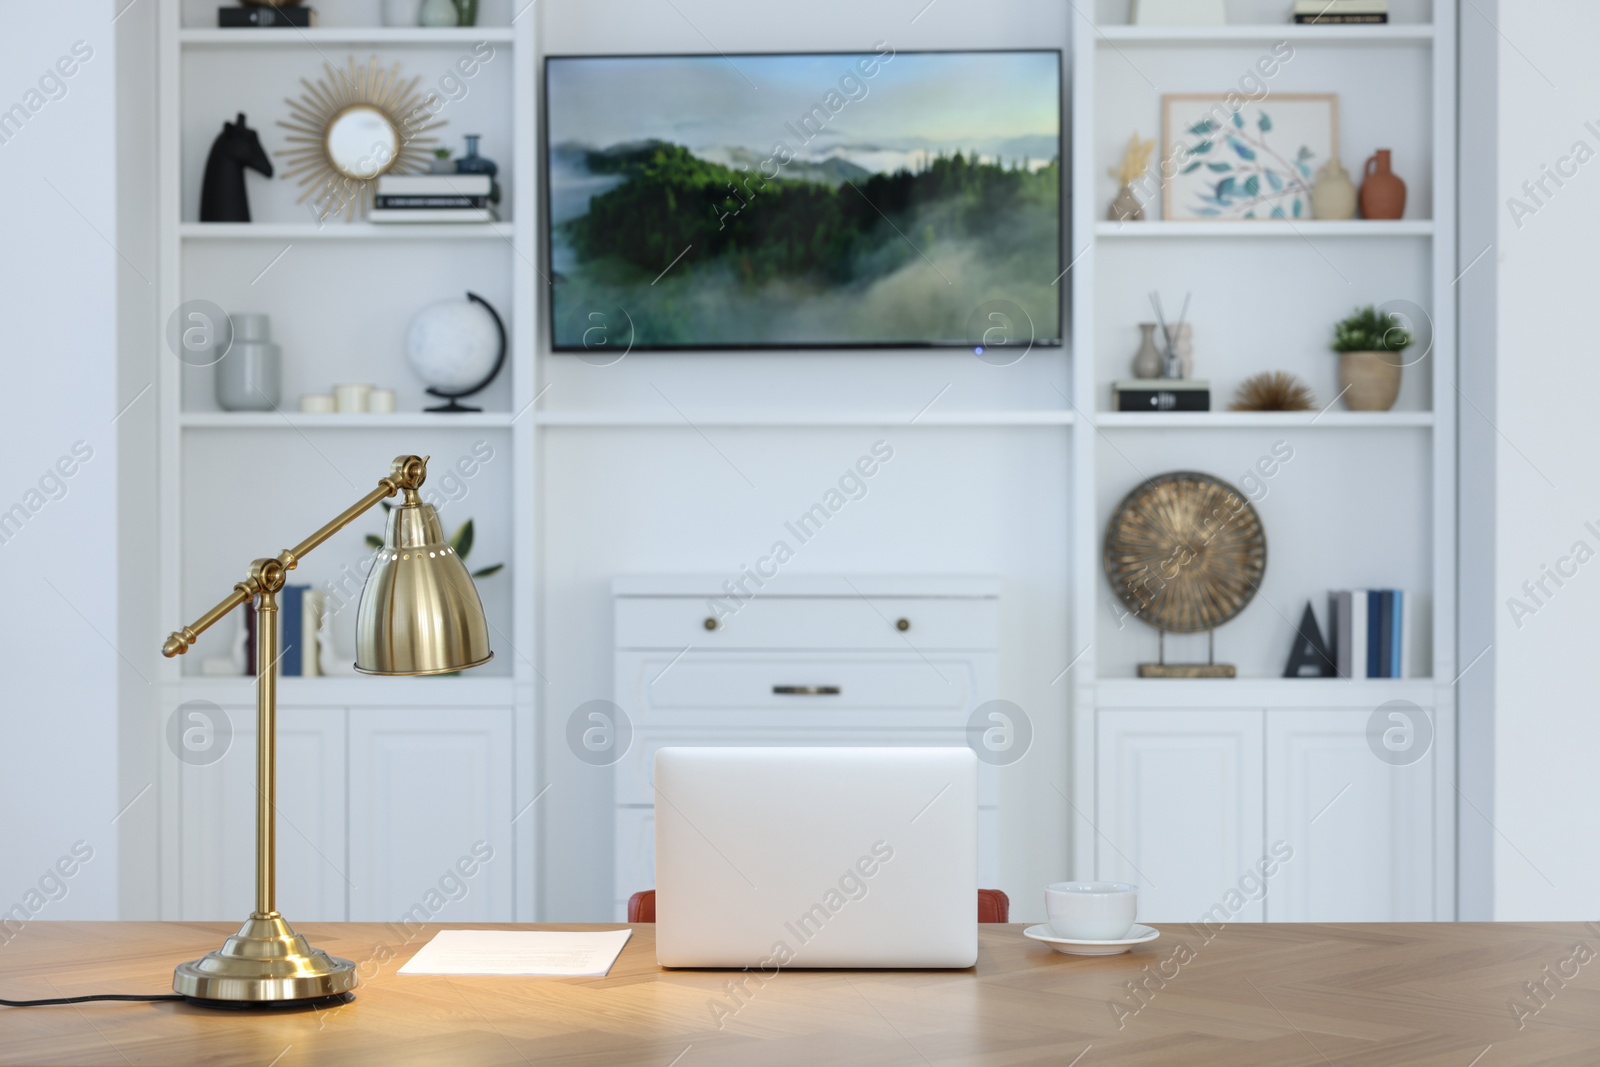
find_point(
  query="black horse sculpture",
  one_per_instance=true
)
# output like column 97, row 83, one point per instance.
column 222, row 194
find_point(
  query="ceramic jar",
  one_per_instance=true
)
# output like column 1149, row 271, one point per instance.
column 1147, row 362
column 1383, row 194
column 438, row 13
column 248, row 375
column 1334, row 195
column 1370, row 380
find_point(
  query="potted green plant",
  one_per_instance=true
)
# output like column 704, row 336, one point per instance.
column 1369, row 344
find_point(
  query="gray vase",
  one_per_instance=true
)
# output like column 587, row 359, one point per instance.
column 1147, row 362
column 249, row 375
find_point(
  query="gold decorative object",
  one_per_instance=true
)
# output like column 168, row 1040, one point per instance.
column 419, row 614
column 350, row 128
column 1273, row 391
column 1185, row 552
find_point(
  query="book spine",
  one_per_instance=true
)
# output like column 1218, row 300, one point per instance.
column 261, row 17
column 1340, row 20
column 1374, row 600
column 417, row 201
column 249, row 640
column 1341, row 631
column 289, row 623
column 1163, row 400
column 1398, row 657
column 310, row 617
column 1385, row 633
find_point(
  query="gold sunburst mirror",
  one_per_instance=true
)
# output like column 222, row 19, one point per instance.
column 351, row 127
column 1185, row 552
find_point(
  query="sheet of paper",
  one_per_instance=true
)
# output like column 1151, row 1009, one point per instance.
column 556, row 953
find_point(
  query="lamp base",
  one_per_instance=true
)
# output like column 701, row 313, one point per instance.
column 266, row 964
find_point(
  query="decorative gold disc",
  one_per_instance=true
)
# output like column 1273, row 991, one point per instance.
column 1185, row 551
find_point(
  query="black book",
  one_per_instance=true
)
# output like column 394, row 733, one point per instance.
column 431, row 201
column 1161, row 394
column 258, row 17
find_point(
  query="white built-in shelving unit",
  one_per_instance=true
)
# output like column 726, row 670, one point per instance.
column 641, row 468
column 386, row 782
column 1372, row 505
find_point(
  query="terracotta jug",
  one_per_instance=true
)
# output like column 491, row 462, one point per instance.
column 1383, row 194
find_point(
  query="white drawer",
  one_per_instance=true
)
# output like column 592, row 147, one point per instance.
column 774, row 622
column 668, row 687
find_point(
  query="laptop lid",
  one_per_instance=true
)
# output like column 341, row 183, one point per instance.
column 777, row 858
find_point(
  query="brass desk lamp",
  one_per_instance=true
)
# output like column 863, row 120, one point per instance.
column 419, row 614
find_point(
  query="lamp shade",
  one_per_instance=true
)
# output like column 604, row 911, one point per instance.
column 420, row 612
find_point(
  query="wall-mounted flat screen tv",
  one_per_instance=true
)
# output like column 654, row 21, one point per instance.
column 837, row 200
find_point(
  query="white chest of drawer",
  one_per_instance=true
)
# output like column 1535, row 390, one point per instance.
column 828, row 661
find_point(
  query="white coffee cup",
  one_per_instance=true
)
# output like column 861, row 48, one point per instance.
column 1091, row 911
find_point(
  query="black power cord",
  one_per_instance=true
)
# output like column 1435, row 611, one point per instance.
column 83, row 1000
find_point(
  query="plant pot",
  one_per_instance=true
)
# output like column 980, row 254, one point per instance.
column 1370, row 381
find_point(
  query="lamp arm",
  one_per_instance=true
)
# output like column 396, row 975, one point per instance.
column 267, row 575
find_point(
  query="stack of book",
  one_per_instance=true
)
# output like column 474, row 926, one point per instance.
column 433, row 198
column 1161, row 394
column 1341, row 12
column 1371, row 633
column 300, row 610
column 258, row 16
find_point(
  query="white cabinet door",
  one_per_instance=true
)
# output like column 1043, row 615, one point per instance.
column 1178, row 810
column 430, row 814
column 218, row 799
column 1361, row 826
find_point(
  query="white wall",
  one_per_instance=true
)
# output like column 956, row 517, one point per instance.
column 59, row 282
column 1530, row 837
column 954, row 500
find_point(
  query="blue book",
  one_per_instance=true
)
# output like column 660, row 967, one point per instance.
column 290, row 609
column 1397, row 643
column 1374, row 642
column 1386, row 633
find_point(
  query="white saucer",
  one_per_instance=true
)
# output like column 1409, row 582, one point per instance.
column 1073, row 947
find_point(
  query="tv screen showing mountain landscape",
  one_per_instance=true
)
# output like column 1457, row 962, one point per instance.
column 880, row 198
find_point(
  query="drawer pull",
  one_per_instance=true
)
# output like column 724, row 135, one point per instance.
column 710, row 623
column 902, row 625
column 806, row 690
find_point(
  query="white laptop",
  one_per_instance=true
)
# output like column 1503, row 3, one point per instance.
column 778, row 858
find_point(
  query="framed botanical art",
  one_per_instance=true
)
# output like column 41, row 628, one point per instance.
column 1232, row 158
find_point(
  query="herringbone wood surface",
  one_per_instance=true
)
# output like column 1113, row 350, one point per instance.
column 1290, row 995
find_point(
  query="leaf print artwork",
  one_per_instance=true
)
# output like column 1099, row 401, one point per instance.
column 1235, row 158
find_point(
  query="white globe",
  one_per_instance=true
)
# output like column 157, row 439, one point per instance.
column 453, row 344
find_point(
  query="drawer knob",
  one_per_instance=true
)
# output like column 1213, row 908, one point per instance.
column 710, row 623
column 902, row 625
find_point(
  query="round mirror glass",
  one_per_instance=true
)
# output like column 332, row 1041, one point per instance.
column 361, row 142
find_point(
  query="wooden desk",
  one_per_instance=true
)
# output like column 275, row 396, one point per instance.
column 1309, row 995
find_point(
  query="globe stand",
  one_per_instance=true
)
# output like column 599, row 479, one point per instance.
column 451, row 396
column 1209, row 669
column 452, row 406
